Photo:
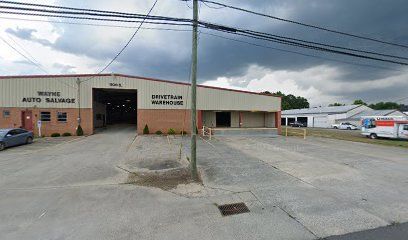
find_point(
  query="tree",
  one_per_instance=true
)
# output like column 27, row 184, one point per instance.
column 79, row 131
column 385, row 105
column 336, row 104
column 146, row 129
column 290, row 101
column 359, row 102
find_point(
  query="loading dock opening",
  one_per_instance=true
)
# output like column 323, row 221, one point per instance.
column 302, row 120
column 223, row 119
column 113, row 106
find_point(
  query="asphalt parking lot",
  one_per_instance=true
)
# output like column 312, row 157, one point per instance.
column 40, row 144
column 294, row 188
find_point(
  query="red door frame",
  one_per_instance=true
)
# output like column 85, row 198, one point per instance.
column 27, row 120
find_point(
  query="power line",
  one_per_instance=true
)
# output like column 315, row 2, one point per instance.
column 281, row 39
column 292, row 43
column 83, row 13
column 329, row 45
column 95, row 24
column 209, row 34
column 24, row 56
column 96, row 19
column 31, row 61
column 22, row 48
column 72, row 8
column 297, row 44
column 210, row 6
column 130, row 40
column 299, row 53
column 247, row 33
column 306, row 25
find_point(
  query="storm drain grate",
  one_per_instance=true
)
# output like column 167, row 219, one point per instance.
column 232, row 209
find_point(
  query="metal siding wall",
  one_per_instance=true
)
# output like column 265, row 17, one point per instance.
column 234, row 119
column 209, row 119
column 270, row 120
column 253, row 119
column 14, row 89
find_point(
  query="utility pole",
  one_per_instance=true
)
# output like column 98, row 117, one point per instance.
column 194, row 94
column 78, row 82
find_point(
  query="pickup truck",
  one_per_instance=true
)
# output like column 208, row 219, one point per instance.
column 345, row 126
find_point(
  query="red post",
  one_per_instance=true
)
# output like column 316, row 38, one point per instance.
column 278, row 122
column 199, row 120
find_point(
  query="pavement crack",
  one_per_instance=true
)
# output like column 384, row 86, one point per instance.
column 295, row 219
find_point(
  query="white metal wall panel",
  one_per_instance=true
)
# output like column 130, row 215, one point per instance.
column 321, row 122
column 209, row 119
column 253, row 119
column 13, row 90
column 270, row 120
column 235, row 119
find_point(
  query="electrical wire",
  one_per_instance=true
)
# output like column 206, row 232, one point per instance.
column 281, row 39
column 328, row 45
column 35, row 62
column 94, row 24
column 24, row 50
column 24, row 56
column 297, row 44
column 307, row 25
column 300, row 53
column 96, row 19
column 209, row 34
column 129, row 41
column 116, row 15
column 293, row 43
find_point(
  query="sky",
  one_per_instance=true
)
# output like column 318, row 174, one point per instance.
column 323, row 78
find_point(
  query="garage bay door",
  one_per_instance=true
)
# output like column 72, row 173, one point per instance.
column 322, row 122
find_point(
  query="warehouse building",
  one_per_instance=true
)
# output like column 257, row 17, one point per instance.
column 356, row 119
column 57, row 103
column 321, row 117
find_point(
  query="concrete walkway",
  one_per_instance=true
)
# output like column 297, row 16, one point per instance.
column 329, row 187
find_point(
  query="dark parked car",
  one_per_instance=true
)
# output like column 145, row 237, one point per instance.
column 14, row 136
column 297, row 124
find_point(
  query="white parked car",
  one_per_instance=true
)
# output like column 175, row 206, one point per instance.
column 345, row 126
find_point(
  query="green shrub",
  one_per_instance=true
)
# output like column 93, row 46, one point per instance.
column 159, row 132
column 146, row 129
column 183, row 133
column 171, row 131
column 79, row 131
column 55, row 135
column 66, row 134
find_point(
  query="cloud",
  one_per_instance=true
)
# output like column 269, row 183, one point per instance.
column 28, row 34
column 167, row 54
column 320, row 84
column 64, row 68
column 23, row 33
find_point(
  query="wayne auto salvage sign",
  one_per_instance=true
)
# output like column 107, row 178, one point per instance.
column 48, row 97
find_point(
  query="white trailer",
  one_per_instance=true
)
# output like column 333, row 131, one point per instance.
column 386, row 127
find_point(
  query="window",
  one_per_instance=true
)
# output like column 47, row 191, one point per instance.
column 20, row 131
column 45, row 116
column 406, row 127
column 12, row 132
column 62, row 116
column 6, row 113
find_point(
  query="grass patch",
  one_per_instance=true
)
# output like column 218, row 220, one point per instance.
column 347, row 135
